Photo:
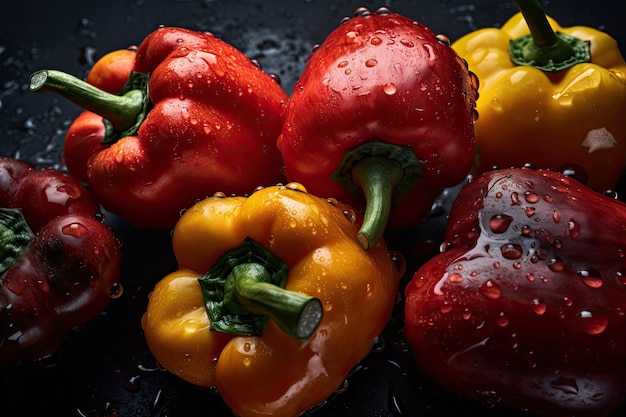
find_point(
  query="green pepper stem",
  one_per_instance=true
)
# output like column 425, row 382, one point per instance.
column 295, row 313
column 386, row 173
column 377, row 176
column 540, row 29
column 121, row 111
column 15, row 236
column 544, row 48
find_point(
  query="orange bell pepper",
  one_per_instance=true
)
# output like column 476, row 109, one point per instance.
column 209, row 321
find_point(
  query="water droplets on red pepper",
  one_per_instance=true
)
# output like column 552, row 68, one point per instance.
column 390, row 89
column 511, row 251
column 490, row 290
column 500, row 223
column 592, row 323
column 371, row 63
column 75, row 229
column 591, row 278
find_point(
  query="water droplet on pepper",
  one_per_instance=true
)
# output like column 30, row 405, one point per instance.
column 76, row 230
column 371, row 63
column 389, row 89
column 490, row 290
column 574, row 229
column 539, row 306
column 511, row 251
column 500, row 223
column 592, row 324
column 590, row 278
column 531, row 197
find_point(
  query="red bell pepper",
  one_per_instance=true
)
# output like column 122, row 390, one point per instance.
column 525, row 307
column 195, row 117
column 85, row 136
column 382, row 116
column 60, row 263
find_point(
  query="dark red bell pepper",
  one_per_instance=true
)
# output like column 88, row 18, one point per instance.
column 196, row 117
column 381, row 118
column 60, row 262
column 525, row 307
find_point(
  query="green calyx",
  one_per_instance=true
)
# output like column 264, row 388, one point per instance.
column 545, row 49
column 382, row 173
column 15, row 235
column 123, row 113
column 244, row 289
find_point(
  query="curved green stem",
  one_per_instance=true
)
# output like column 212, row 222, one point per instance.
column 383, row 173
column 537, row 22
column 121, row 111
column 244, row 289
column 543, row 48
column 377, row 176
column 248, row 290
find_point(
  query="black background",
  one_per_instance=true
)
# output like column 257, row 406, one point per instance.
column 104, row 367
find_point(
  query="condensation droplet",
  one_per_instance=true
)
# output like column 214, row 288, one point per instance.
column 116, row 290
column 350, row 215
column 371, row 63
column 502, row 320
column 446, row 245
column 591, row 278
column 592, row 324
column 500, row 223
column 389, row 89
column 75, row 229
column 511, row 251
column 455, row 278
column 556, row 264
column 539, row 306
column 490, row 290
column 574, row 229
column 531, row 197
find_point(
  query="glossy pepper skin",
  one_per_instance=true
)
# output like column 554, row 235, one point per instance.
column 384, row 88
column 85, row 135
column 59, row 269
column 525, row 305
column 273, row 373
column 206, row 119
column 571, row 118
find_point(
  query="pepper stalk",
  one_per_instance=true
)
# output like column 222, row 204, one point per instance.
column 244, row 289
column 544, row 48
column 123, row 113
column 15, row 235
column 383, row 173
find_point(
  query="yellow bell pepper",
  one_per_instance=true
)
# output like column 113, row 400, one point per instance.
column 337, row 298
column 549, row 96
